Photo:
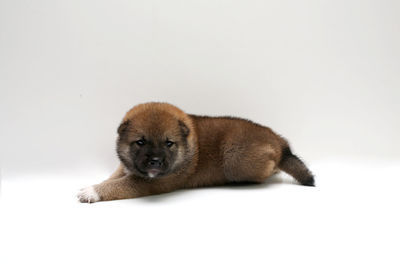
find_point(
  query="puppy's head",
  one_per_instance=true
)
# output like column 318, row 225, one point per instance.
column 155, row 140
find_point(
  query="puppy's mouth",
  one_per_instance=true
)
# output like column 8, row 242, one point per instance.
column 152, row 173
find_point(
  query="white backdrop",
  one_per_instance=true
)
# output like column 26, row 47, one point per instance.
column 324, row 74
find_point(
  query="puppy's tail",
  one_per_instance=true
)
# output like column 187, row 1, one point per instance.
column 292, row 165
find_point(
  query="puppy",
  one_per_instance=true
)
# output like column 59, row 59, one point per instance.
column 162, row 149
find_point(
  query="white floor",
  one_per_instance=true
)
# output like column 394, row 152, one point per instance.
column 350, row 219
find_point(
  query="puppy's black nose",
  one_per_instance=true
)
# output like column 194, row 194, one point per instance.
column 155, row 162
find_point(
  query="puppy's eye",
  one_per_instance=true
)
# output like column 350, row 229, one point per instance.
column 140, row 142
column 169, row 143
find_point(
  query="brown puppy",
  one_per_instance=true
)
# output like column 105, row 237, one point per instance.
column 163, row 149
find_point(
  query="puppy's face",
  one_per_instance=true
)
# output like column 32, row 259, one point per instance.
column 152, row 146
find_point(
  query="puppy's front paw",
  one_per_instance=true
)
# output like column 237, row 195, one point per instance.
column 88, row 195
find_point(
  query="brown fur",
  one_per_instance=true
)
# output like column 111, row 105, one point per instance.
column 219, row 150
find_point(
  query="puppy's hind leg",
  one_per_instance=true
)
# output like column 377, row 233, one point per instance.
column 254, row 164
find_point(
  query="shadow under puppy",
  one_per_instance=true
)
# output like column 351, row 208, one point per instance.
column 163, row 149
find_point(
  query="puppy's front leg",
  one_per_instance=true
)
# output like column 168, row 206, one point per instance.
column 112, row 189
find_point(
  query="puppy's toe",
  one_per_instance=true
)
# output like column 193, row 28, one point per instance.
column 88, row 195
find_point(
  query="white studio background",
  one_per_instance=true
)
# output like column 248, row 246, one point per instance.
column 324, row 74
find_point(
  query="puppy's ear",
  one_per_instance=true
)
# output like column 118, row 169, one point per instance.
column 184, row 129
column 123, row 127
